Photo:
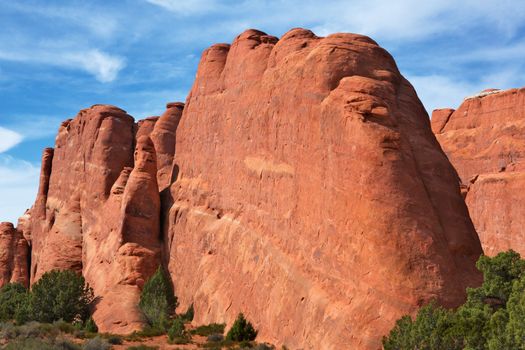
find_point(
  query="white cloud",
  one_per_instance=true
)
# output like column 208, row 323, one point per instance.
column 437, row 91
column 103, row 66
column 18, row 187
column 440, row 91
column 415, row 19
column 34, row 127
column 8, row 139
column 187, row 7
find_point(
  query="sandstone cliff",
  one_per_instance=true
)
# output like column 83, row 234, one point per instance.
column 311, row 193
column 300, row 184
column 484, row 139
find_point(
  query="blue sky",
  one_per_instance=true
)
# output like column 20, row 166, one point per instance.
column 57, row 57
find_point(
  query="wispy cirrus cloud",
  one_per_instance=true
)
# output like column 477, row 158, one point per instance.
column 188, row 7
column 103, row 66
column 8, row 139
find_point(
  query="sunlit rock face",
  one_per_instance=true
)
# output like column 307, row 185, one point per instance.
column 311, row 194
column 484, row 139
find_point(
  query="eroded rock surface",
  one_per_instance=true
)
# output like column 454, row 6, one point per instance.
column 312, row 195
column 485, row 141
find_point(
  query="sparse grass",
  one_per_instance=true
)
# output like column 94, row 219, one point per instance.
column 147, row 332
column 142, row 347
column 219, row 345
column 180, row 340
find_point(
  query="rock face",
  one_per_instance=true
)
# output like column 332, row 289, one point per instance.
column 311, row 194
column 485, row 141
column 13, row 256
column 300, row 184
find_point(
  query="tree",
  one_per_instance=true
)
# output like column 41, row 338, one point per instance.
column 14, row 299
column 492, row 318
column 61, row 295
column 430, row 330
column 241, row 330
column 158, row 301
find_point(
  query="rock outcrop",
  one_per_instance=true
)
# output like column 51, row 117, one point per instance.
column 484, row 139
column 98, row 211
column 311, row 194
column 300, row 184
column 14, row 257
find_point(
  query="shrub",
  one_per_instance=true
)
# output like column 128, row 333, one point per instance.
column 32, row 344
column 212, row 328
column 37, row 336
column 492, row 318
column 64, row 327
column 90, row 326
column 176, row 330
column 61, row 295
column 177, row 334
column 157, row 300
column 64, row 344
column 30, row 330
column 96, row 343
column 215, row 338
column 13, row 299
column 241, row 330
column 114, row 339
column 142, row 347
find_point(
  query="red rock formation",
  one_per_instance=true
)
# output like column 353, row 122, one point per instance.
column 13, row 256
column 484, row 140
column 312, row 195
column 121, row 257
column 97, row 213
column 162, row 132
column 307, row 191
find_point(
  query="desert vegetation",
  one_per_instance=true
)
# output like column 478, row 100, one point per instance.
column 56, row 314
column 57, row 295
column 492, row 318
